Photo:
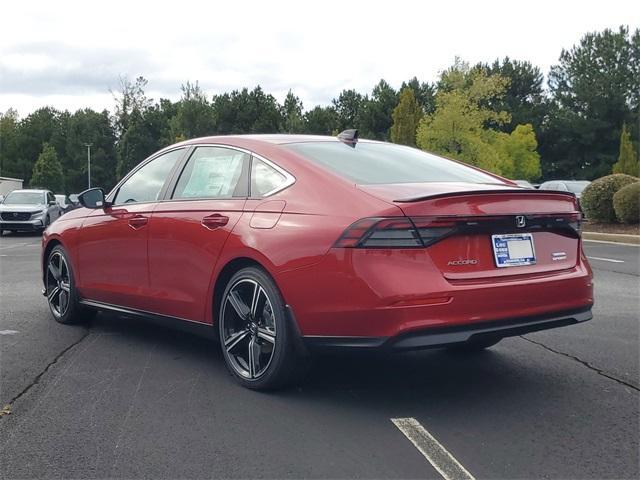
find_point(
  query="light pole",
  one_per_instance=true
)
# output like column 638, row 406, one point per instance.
column 88, row 145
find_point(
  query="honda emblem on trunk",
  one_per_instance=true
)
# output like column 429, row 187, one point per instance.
column 521, row 221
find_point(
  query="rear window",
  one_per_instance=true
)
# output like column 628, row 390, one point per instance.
column 372, row 163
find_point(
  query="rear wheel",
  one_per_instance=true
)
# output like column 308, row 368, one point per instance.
column 472, row 346
column 257, row 343
column 60, row 289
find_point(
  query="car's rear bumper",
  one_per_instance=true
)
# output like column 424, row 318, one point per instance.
column 443, row 336
column 370, row 294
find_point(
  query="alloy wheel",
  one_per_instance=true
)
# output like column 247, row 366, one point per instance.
column 58, row 284
column 248, row 328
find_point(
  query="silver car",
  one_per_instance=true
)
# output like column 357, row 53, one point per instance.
column 28, row 211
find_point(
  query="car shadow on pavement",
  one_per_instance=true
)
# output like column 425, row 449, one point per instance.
column 399, row 381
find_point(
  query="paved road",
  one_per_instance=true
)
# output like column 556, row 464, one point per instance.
column 121, row 398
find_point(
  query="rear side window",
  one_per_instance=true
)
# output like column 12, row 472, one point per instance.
column 146, row 183
column 265, row 179
column 373, row 163
column 213, row 172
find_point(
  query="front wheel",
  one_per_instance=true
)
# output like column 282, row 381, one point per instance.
column 257, row 342
column 60, row 289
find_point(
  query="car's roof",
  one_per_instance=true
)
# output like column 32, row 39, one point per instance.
column 34, row 190
column 271, row 138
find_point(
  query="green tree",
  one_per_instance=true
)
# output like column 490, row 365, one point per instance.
column 83, row 127
column 47, row 171
column 195, row 116
column 425, row 94
column 521, row 160
column 376, row 116
column 523, row 98
column 596, row 88
column 293, row 119
column 349, row 107
column 44, row 125
column 9, row 152
column 406, row 117
column 321, row 121
column 458, row 126
column 627, row 159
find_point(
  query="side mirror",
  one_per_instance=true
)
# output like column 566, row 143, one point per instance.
column 92, row 198
column 53, row 202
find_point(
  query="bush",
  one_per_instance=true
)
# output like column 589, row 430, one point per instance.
column 597, row 198
column 626, row 203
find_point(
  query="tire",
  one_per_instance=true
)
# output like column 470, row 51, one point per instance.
column 256, row 340
column 60, row 289
column 474, row 346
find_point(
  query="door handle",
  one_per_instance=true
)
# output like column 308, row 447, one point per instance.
column 214, row 221
column 138, row 222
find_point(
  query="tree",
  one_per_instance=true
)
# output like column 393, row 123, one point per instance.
column 195, row 116
column 457, row 128
column 596, row 88
column 321, row 121
column 349, row 107
column 521, row 161
column 425, row 94
column 293, row 120
column 376, row 115
column 406, row 116
column 45, row 125
column 88, row 126
column 130, row 98
column 627, row 159
column 9, row 152
column 47, row 171
column 523, row 98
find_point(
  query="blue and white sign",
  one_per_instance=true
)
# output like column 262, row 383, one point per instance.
column 513, row 250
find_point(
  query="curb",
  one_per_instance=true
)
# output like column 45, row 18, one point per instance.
column 612, row 237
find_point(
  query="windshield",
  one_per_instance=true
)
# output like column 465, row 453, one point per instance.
column 376, row 163
column 24, row 198
column 576, row 187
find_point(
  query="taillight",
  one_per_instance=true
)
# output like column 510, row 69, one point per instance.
column 398, row 232
column 416, row 232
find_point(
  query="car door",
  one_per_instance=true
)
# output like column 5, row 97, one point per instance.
column 188, row 231
column 112, row 247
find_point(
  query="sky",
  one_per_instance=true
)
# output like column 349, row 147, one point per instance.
column 70, row 54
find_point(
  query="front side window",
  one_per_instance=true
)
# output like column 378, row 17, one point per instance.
column 264, row 178
column 213, row 172
column 146, row 183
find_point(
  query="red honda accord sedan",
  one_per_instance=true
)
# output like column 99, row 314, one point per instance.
column 281, row 244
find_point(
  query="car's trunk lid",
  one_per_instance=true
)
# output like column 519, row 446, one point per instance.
column 475, row 227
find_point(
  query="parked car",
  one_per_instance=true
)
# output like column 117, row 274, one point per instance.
column 66, row 203
column 523, row 183
column 28, row 210
column 284, row 244
column 574, row 186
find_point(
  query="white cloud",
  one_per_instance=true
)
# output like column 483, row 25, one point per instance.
column 69, row 53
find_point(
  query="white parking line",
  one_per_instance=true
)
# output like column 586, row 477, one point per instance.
column 612, row 260
column 611, row 243
column 438, row 456
column 8, row 332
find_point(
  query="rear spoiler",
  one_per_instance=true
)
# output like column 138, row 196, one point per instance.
column 484, row 192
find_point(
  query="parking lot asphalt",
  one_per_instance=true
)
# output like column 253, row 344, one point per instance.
column 121, row 398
